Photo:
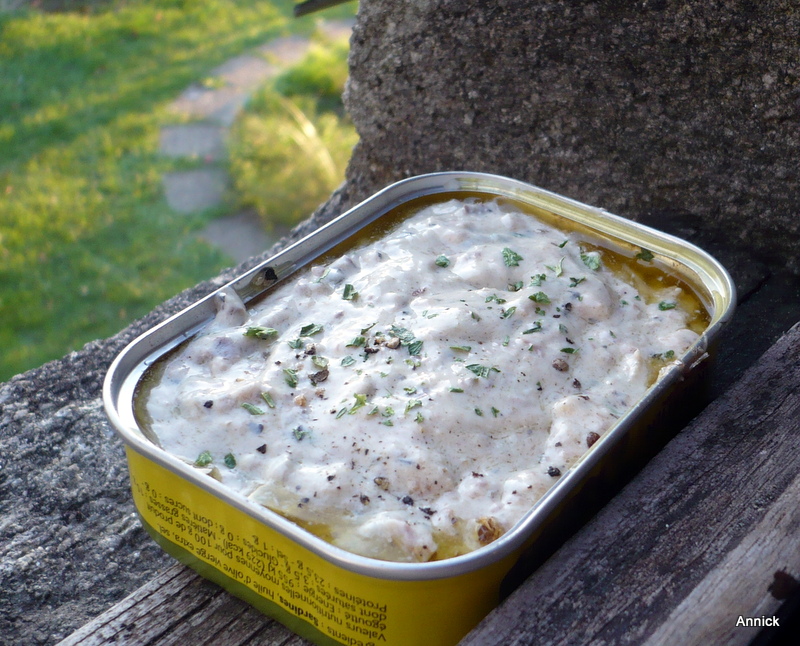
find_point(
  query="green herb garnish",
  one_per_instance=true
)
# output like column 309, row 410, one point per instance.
column 508, row 313
column 290, row 376
column 204, row 459
column 442, row 261
column 537, row 327
column 415, row 348
column 230, row 460
column 665, row 305
column 540, row 297
column 253, row 410
column 349, row 293
column 569, row 350
column 412, row 404
column 259, row 332
column 296, row 344
column 591, row 260
column 348, row 361
column 461, row 348
column 357, row 342
column 361, row 401
column 453, row 389
column 319, row 361
column 311, row 329
column 645, row 254
column 538, row 279
column 574, row 282
column 511, row 258
column 481, row 371
column 299, row 433
column 268, row 399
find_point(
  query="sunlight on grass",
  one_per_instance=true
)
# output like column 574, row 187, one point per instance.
column 290, row 149
column 87, row 241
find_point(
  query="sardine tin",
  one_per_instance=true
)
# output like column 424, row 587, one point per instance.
column 332, row 597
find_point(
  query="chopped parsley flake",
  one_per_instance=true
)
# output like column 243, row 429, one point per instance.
column 357, row 342
column 574, row 282
column 558, row 269
column 540, row 297
column 537, row 280
column 461, row 348
column 495, row 298
column 415, row 348
column 259, row 332
column 666, row 305
column 419, row 418
column 591, row 260
column 508, row 313
column 569, row 350
column 563, row 244
column 645, row 254
column 311, row 329
column 348, row 361
column 453, row 389
column 268, row 399
column 204, row 459
column 299, row 433
column 511, row 257
column 361, row 401
column 230, row 460
column 537, row 327
column 290, row 376
column 479, row 412
column 320, row 362
column 442, row 261
column 349, row 293
column 296, row 344
column 253, row 410
column 495, row 412
column 412, row 404
column 515, row 287
column 481, row 371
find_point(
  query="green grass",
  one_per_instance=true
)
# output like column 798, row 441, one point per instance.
column 290, row 148
column 87, row 241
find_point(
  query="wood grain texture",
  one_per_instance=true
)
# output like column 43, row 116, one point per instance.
column 690, row 544
column 179, row 607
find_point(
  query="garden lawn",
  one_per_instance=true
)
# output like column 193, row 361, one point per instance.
column 87, row 241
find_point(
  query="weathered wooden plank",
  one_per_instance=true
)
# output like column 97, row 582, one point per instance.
column 711, row 518
column 179, row 607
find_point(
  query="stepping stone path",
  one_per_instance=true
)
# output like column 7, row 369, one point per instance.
column 206, row 113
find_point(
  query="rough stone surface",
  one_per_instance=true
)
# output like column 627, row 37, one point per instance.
column 634, row 107
column 70, row 544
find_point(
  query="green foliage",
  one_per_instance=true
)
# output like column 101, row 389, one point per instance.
column 87, row 241
column 289, row 150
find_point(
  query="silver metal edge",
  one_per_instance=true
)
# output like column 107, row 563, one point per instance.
column 130, row 364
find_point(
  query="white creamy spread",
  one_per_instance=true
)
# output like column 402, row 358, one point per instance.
column 414, row 398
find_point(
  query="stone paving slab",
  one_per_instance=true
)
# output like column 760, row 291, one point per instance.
column 241, row 236
column 201, row 140
column 195, row 190
column 216, row 105
column 245, row 72
column 285, row 51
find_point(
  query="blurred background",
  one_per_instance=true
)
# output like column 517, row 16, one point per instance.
column 89, row 240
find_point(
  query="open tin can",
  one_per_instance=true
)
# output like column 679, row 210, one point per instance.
column 333, row 597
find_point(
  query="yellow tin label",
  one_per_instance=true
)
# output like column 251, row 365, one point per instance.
column 317, row 599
